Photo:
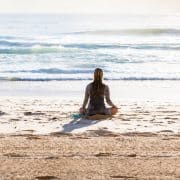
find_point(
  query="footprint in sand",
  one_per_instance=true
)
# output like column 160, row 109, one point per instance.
column 131, row 155
column 2, row 113
column 46, row 177
column 122, row 177
column 103, row 154
column 52, row 157
column 54, row 118
column 14, row 155
column 31, row 113
column 14, row 120
column 171, row 122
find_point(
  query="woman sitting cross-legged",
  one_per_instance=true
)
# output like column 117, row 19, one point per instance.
column 95, row 93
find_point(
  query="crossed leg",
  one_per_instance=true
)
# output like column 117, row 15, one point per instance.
column 113, row 110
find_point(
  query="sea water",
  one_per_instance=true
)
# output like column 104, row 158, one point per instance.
column 69, row 47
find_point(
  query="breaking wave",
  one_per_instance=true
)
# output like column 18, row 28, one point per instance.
column 13, row 48
column 78, row 79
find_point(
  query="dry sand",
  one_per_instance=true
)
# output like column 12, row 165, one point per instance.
column 43, row 138
column 20, row 115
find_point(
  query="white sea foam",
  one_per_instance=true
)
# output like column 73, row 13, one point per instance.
column 70, row 47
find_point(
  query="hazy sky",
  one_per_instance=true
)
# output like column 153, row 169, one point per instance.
column 89, row 6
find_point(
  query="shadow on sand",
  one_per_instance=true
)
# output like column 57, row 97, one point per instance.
column 81, row 122
column 77, row 124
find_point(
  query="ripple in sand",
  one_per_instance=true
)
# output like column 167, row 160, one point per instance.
column 143, row 134
column 101, row 132
column 167, row 111
column 173, row 118
column 52, row 157
column 26, row 132
column 31, row 113
column 14, row 120
column 166, row 131
column 171, row 122
column 2, row 113
column 80, row 137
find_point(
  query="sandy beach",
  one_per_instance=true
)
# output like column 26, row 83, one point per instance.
column 50, row 115
column 99, row 156
column 44, row 138
column 48, row 55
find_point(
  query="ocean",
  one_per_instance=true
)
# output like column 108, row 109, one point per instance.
column 70, row 47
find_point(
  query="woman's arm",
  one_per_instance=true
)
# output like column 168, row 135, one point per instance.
column 86, row 97
column 107, row 96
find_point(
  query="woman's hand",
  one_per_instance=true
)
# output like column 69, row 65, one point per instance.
column 82, row 110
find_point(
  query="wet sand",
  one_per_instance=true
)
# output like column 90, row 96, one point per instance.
column 105, row 156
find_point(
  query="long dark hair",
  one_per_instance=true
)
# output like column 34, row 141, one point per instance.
column 97, row 84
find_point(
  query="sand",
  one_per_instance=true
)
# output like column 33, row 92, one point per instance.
column 105, row 156
column 43, row 138
column 28, row 115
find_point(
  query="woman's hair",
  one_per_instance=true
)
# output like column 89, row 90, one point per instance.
column 97, row 85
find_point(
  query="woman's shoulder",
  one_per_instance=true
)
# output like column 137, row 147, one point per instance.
column 89, row 86
column 105, row 85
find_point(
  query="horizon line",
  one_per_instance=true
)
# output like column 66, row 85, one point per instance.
column 77, row 13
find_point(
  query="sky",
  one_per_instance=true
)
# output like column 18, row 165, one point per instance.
column 90, row 6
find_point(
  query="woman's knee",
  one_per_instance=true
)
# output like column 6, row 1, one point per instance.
column 114, row 110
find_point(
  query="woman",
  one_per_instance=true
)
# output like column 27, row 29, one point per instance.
column 95, row 93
